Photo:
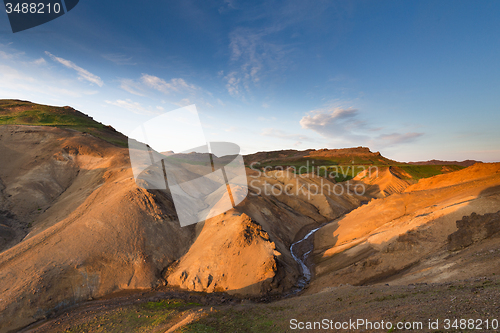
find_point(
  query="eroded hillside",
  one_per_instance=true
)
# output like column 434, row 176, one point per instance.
column 405, row 237
column 77, row 227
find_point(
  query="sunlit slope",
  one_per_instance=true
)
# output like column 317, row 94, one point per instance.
column 344, row 164
column 382, row 239
column 16, row 112
column 79, row 228
column 347, row 156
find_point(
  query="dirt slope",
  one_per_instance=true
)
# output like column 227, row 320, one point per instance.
column 90, row 230
column 466, row 163
column 474, row 172
column 256, row 236
column 75, row 226
column 403, row 238
column 358, row 155
column 381, row 181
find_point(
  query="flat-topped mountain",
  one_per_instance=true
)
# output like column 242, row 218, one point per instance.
column 358, row 155
column 75, row 226
column 465, row 163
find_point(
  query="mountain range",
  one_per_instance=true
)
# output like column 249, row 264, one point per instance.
column 76, row 229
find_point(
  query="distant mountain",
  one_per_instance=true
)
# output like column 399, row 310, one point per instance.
column 75, row 226
column 345, row 156
column 465, row 163
column 357, row 158
column 17, row 112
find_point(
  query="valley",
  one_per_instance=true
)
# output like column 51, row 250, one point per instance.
column 347, row 231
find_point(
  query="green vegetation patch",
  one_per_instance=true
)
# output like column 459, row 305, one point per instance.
column 425, row 171
column 145, row 317
column 13, row 112
column 229, row 321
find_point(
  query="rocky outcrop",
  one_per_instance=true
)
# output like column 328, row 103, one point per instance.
column 403, row 238
column 474, row 228
column 232, row 254
column 76, row 226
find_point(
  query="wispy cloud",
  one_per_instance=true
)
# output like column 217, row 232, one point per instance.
column 233, row 84
column 17, row 83
column 174, row 85
column 135, row 107
column 335, row 122
column 10, row 74
column 392, row 139
column 183, row 102
column 10, row 55
column 83, row 74
column 179, row 91
column 132, row 87
column 40, row 61
column 251, row 55
column 276, row 133
column 227, row 6
column 119, row 59
column 346, row 125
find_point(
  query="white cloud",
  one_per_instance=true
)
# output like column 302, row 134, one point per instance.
column 134, row 107
column 345, row 125
column 227, row 6
column 177, row 89
column 252, row 55
column 174, row 85
column 276, row 133
column 232, row 85
column 131, row 86
column 12, row 55
column 183, row 102
column 10, row 74
column 83, row 74
column 334, row 122
column 386, row 140
column 39, row 62
column 14, row 83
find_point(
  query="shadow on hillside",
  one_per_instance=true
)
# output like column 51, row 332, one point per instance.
column 365, row 263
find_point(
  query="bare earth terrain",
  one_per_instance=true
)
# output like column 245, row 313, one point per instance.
column 84, row 249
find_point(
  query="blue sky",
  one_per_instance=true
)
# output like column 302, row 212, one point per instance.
column 415, row 80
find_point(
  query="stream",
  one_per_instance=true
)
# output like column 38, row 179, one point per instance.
column 300, row 251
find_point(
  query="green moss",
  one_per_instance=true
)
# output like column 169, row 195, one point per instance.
column 145, row 317
column 231, row 320
column 168, row 304
column 13, row 112
column 425, row 171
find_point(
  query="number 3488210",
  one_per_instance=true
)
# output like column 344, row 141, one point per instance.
column 33, row 8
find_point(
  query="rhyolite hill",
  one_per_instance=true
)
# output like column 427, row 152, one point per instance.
column 75, row 226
